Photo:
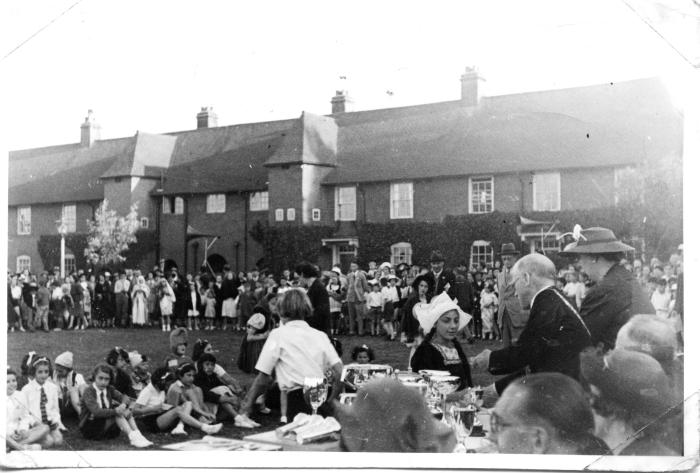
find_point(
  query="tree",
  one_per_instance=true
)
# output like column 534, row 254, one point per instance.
column 110, row 235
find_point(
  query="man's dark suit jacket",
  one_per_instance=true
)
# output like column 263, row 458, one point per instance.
column 552, row 339
column 445, row 277
column 610, row 303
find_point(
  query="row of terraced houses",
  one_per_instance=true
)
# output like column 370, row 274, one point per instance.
column 201, row 192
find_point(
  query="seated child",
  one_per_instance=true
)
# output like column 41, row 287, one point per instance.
column 42, row 400
column 71, row 385
column 184, row 390
column 105, row 411
column 24, row 376
column 118, row 359
column 23, row 432
column 203, row 346
column 178, row 349
column 362, row 355
column 217, row 393
column 157, row 416
column 140, row 371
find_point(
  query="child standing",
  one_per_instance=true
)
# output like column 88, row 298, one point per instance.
column 156, row 415
column 209, row 301
column 166, row 301
column 661, row 298
column 335, row 299
column 390, row 297
column 374, row 307
column 23, row 432
column 105, row 411
column 194, row 301
column 489, row 304
column 42, row 400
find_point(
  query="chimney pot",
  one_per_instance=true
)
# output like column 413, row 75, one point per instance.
column 471, row 95
column 341, row 102
column 206, row 118
column 89, row 130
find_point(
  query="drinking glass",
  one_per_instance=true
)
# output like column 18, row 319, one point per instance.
column 461, row 418
column 442, row 386
column 315, row 392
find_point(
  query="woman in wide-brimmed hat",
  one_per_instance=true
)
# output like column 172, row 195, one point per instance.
column 441, row 319
column 616, row 296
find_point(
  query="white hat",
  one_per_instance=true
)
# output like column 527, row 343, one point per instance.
column 336, row 269
column 428, row 314
column 385, row 264
column 257, row 321
column 65, row 359
column 393, row 276
column 135, row 359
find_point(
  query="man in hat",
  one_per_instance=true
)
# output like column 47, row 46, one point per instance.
column 511, row 316
column 553, row 336
column 616, row 295
column 357, row 290
column 443, row 278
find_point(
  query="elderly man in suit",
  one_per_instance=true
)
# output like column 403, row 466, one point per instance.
column 553, row 336
column 443, row 278
column 356, row 297
column 511, row 316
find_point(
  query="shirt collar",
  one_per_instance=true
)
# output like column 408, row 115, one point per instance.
column 98, row 390
column 532, row 301
column 295, row 322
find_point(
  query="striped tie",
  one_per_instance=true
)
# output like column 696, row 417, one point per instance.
column 102, row 400
column 42, row 406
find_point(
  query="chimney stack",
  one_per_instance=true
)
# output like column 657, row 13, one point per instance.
column 89, row 130
column 471, row 95
column 341, row 103
column 206, row 118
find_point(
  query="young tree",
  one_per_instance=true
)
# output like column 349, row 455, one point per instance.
column 109, row 235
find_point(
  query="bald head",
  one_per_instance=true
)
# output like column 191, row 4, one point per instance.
column 538, row 266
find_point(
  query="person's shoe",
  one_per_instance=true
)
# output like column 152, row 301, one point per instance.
column 212, row 429
column 137, row 440
column 283, row 419
column 244, row 422
column 21, row 329
column 264, row 410
column 12, row 329
column 179, row 429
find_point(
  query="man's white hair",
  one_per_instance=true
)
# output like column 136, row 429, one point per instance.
column 536, row 265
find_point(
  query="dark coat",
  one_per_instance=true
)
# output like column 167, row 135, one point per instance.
column 91, row 408
column 409, row 324
column 446, row 277
column 552, row 339
column 321, row 307
column 610, row 303
column 427, row 357
column 463, row 293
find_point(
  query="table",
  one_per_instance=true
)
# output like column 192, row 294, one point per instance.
column 480, row 443
column 210, row 442
column 287, row 444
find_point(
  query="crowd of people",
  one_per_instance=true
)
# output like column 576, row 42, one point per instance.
column 591, row 356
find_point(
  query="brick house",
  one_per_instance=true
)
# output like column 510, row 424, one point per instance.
column 203, row 191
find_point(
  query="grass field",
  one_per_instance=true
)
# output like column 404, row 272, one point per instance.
column 92, row 346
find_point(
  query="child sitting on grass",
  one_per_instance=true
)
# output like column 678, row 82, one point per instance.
column 23, row 432
column 217, row 393
column 156, row 415
column 118, row 359
column 42, row 400
column 71, row 385
column 105, row 411
column 184, row 390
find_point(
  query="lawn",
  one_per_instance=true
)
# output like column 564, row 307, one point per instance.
column 91, row 346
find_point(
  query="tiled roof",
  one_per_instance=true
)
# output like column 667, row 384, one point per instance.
column 149, row 153
column 603, row 125
column 312, row 140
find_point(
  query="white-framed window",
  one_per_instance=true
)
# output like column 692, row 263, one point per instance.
column 23, row 262
column 546, row 191
column 481, row 251
column 401, row 253
column 69, row 261
column 68, row 217
column 178, row 206
column 167, row 209
column 401, row 200
column 259, row 201
column 316, row 215
column 291, row 214
column 144, row 222
column 550, row 242
column 480, row 195
column 24, row 220
column 346, row 203
column 279, row 215
column 625, row 182
column 216, row 203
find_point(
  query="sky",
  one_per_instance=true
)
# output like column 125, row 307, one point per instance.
column 151, row 65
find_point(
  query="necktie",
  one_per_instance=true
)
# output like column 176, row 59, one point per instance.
column 102, row 400
column 42, row 407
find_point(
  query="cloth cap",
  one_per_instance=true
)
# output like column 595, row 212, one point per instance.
column 387, row 416
column 428, row 314
column 436, row 256
column 596, row 240
column 65, row 359
column 509, row 249
column 631, row 379
column 178, row 337
column 257, row 321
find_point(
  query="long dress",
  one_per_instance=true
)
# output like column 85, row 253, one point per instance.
column 139, row 310
column 489, row 305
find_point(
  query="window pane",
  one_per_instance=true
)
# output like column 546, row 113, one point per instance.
column 259, row 201
column 481, row 251
column 70, row 263
column 546, row 191
column 23, row 262
column 68, row 217
column 279, row 215
column 401, row 253
column 481, row 195
column 401, row 200
column 291, row 214
column 346, row 203
column 216, row 203
column 179, row 206
column 166, row 205
column 24, row 220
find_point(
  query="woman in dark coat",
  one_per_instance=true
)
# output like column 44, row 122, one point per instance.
column 422, row 292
